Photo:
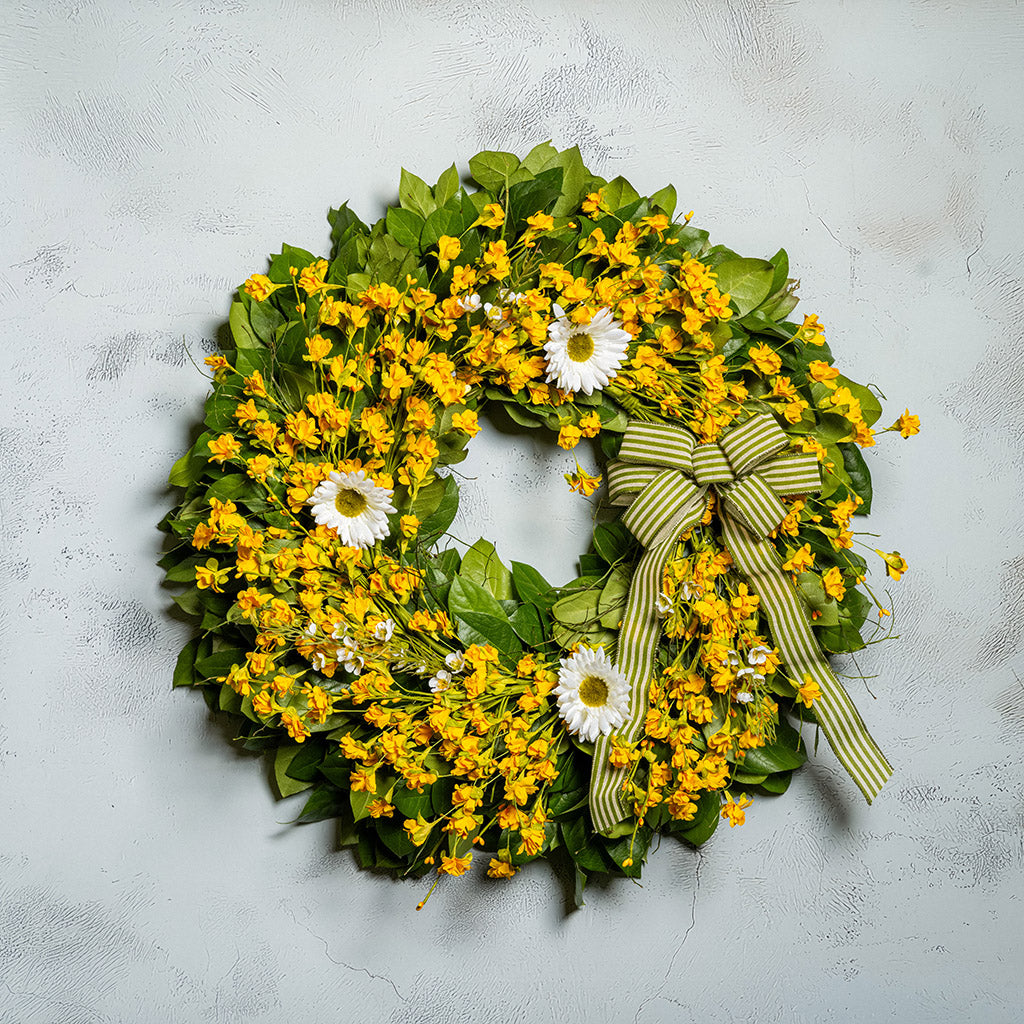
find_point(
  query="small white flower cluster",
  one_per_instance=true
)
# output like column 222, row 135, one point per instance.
column 688, row 591
column 455, row 662
column 348, row 654
column 756, row 658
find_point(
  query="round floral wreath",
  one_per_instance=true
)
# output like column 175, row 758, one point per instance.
column 435, row 703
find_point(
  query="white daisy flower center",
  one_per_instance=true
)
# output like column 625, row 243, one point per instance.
column 350, row 503
column 594, row 692
column 580, row 348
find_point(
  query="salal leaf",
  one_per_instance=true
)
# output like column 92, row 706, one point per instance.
column 748, row 282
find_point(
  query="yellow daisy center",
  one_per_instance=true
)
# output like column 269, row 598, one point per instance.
column 594, row 692
column 580, row 348
column 350, row 502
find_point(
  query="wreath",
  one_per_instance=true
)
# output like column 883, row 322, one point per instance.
column 438, row 703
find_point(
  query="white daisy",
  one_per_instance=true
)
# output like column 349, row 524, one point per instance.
column 584, row 357
column 593, row 695
column 354, row 507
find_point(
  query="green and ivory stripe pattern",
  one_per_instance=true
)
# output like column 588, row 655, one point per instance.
column 664, row 476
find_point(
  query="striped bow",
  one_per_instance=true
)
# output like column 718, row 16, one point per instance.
column 663, row 474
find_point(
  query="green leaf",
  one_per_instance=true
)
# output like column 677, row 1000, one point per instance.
column 406, row 227
column 491, row 170
column 665, row 200
column 414, row 194
column 447, row 185
column 241, row 329
column 265, row 319
column 440, row 222
column 181, row 474
column 748, row 282
column 579, row 884
column 481, row 619
column 482, row 565
column 612, row 605
column 527, row 623
column 434, row 524
column 859, row 474
column 531, row 586
column 618, row 193
column 786, row 752
column 811, row 589
column 612, row 541
column 777, row 783
column 579, row 609
column 324, row 802
column 700, row 828
column 184, row 667
column 841, row 639
column 286, row 785
column 540, row 158
column 780, row 261
column 573, row 175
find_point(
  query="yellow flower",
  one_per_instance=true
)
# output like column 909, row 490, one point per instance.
column 593, row 201
column 211, row 576
column 311, row 280
column 811, row 332
column 590, row 425
column 765, row 359
column 260, row 287
column 291, row 721
column 569, row 436
column 500, row 868
column 448, row 248
column 455, row 865
column 733, row 812
column 493, row 216
column 808, row 692
column 907, row 425
column 832, row 581
column 466, row 421
column 318, row 347
column 582, row 482
column 223, row 448
column 894, row 563
column 409, row 525
column 819, row 370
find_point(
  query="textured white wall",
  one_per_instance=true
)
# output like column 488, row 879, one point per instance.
column 153, row 154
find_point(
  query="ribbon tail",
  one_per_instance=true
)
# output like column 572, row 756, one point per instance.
column 638, row 644
column 839, row 719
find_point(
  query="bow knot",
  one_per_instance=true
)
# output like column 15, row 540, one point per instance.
column 711, row 465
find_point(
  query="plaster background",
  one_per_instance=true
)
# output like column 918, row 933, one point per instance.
column 154, row 154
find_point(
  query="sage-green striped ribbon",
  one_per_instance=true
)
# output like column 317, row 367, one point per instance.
column 663, row 475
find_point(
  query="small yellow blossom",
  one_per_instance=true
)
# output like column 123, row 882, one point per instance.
column 493, row 216
column 907, row 425
column 808, row 692
column 895, row 565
